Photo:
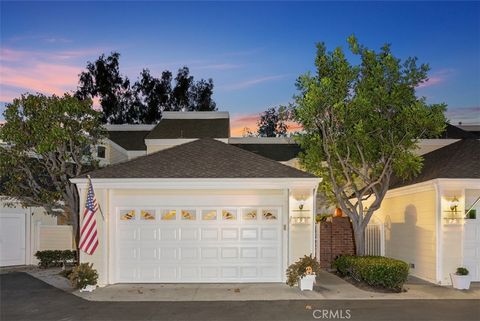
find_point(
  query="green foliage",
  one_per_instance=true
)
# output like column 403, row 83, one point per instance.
column 462, row 271
column 146, row 99
column 48, row 141
column 82, row 275
column 298, row 269
column 361, row 125
column 53, row 258
column 272, row 122
column 376, row 271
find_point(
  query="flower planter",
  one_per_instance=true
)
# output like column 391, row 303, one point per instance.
column 306, row 283
column 461, row 282
column 88, row 288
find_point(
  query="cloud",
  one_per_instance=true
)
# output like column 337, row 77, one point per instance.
column 437, row 77
column 251, row 82
column 40, row 71
column 465, row 115
column 224, row 66
column 241, row 121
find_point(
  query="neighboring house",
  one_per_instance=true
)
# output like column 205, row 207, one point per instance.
column 423, row 218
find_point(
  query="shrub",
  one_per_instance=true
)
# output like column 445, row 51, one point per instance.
column 461, row 271
column 299, row 268
column 51, row 258
column 82, row 275
column 376, row 271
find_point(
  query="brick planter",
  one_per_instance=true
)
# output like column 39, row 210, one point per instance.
column 336, row 238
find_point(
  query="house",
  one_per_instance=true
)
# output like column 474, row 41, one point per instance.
column 201, row 211
column 423, row 219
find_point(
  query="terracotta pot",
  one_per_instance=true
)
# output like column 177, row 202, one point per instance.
column 338, row 212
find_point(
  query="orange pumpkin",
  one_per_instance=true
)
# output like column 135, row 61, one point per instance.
column 338, row 212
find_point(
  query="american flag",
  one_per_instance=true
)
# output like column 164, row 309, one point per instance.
column 88, row 233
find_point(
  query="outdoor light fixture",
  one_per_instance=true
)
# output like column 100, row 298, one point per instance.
column 454, row 204
column 301, row 203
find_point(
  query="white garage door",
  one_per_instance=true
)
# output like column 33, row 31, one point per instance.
column 186, row 244
column 12, row 238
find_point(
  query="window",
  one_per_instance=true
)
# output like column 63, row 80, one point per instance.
column 269, row 214
column 127, row 215
column 169, row 215
column 189, row 215
column 101, row 151
column 147, row 215
column 229, row 215
column 249, row 214
column 209, row 215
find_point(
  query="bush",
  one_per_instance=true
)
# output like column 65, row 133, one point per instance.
column 462, row 271
column 51, row 258
column 299, row 268
column 376, row 271
column 82, row 275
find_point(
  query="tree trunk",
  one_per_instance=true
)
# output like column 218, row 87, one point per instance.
column 359, row 234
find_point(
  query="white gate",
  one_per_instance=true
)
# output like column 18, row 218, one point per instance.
column 375, row 238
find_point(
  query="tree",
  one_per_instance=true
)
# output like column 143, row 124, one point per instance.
column 48, row 141
column 361, row 126
column 102, row 79
column 145, row 100
column 272, row 122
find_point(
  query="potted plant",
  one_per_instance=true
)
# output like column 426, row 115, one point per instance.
column 303, row 272
column 461, row 279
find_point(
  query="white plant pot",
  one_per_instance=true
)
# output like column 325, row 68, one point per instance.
column 306, row 283
column 461, row 282
column 88, row 288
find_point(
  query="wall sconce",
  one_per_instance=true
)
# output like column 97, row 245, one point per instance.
column 301, row 203
column 454, row 204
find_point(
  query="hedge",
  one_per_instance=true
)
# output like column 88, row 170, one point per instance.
column 376, row 271
column 51, row 258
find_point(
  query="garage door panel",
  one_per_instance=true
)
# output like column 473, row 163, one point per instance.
column 222, row 248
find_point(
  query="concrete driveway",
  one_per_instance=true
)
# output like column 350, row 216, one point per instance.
column 24, row 297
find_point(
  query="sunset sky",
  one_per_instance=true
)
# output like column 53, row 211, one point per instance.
column 253, row 51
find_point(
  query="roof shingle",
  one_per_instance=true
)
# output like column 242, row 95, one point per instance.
column 458, row 160
column 169, row 128
column 204, row 158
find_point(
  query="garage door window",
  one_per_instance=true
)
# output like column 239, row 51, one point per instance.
column 270, row 214
column 209, row 215
column 249, row 214
column 169, row 215
column 189, row 215
column 229, row 215
column 127, row 215
column 147, row 215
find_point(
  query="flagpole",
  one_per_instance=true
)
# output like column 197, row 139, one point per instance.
column 99, row 208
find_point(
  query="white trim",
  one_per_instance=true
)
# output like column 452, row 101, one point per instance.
column 261, row 140
column 438, row 235
column 169, row 141
column 199, row 183
column 129, row 127
column 195, row 114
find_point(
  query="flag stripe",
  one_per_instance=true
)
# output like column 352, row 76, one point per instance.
column 88, row 232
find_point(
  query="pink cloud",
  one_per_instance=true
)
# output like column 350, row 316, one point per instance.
column 239, row 122
column 437, row 77
column 36, row 71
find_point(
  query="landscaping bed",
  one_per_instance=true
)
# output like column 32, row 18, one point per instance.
column 373, row 273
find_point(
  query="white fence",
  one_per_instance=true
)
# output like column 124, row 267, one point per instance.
column 375, row 239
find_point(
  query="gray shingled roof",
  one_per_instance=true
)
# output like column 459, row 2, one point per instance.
column 278, row 152
column 457, row 160
column 169, row 128
column 203, row 158
column 454, row 132
column 129, row 139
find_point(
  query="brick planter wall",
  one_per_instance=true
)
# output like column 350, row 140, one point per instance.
column 336, row 238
